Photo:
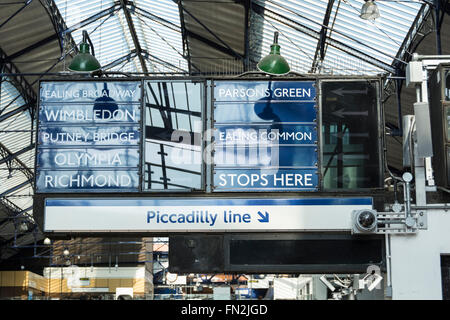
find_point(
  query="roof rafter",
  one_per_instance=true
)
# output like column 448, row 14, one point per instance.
column 10, row 157
column 134, row 36
column 323, row 36
column 19, row 81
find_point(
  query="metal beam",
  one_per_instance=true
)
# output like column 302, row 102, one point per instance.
column 14, row 112
column 186, row 50
column 160, row 20
column 19, row 81
column 136, row 42
column 118, row 61
column 323, row 36
column 12, row 157
column 18, row 187
column 60, row 25
column 14, row 214
column 174, row 110
column 146, row 55
column 246, row 62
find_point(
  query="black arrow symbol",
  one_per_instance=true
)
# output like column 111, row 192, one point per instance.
column 341, row 113
column 341, row 91
column 356, row 135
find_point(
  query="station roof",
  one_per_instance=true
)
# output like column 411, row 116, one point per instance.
column 39, row 38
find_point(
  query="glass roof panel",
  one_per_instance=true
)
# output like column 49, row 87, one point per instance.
column 379, row 39
column 15, row 135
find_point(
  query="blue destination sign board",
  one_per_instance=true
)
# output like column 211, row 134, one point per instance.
column 264, row 179
column 89, row 136
column 93, row 92
column 298, row 134
column 52, row 158
column 88, row 180
column 265, row 136
column 92, row 136
column 89, row 114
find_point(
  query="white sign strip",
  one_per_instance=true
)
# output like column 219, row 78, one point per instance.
column 237, row 215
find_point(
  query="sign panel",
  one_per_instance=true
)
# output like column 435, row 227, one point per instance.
column 92, row 136
column 93, row 92
column 58, row 158
column 88, row 180
column 89, row 136
column 96, row 113
column 265, row 125
column 193, row 215
column 276, row 179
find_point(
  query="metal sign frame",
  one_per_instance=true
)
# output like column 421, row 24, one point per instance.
column 39, row 125
column 207, row 170
column 316, row 128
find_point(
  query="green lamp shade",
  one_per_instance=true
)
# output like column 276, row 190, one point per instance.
column 274, row 63
column 84, row 61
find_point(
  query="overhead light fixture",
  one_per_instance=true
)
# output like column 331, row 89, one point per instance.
column 274, row 63
column 23, row 227
column 66, row 252
column 369, row 10
column 47, row 241
column 84, row 61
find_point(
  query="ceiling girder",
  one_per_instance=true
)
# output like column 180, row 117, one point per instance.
column 134, row 36
column 118, row 61
column 186, row 50
column 13, row 189
column 146, row 55
column 19, row 81
column 323, row 36
column 12, row 157
column 15, row 111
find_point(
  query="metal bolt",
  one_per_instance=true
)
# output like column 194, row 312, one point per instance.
column 421, row 224
column 421, row 214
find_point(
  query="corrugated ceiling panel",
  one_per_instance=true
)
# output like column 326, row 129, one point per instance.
column 224, row 19
column 109, row 35
column 161, row 40
column 380, row 39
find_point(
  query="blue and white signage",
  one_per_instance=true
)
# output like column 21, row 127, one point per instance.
column 93, row 92
column 89, row 136
column 265, row 136
column 88, row 180
column 194, row 215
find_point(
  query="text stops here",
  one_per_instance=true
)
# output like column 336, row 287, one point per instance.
column 305, row 179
